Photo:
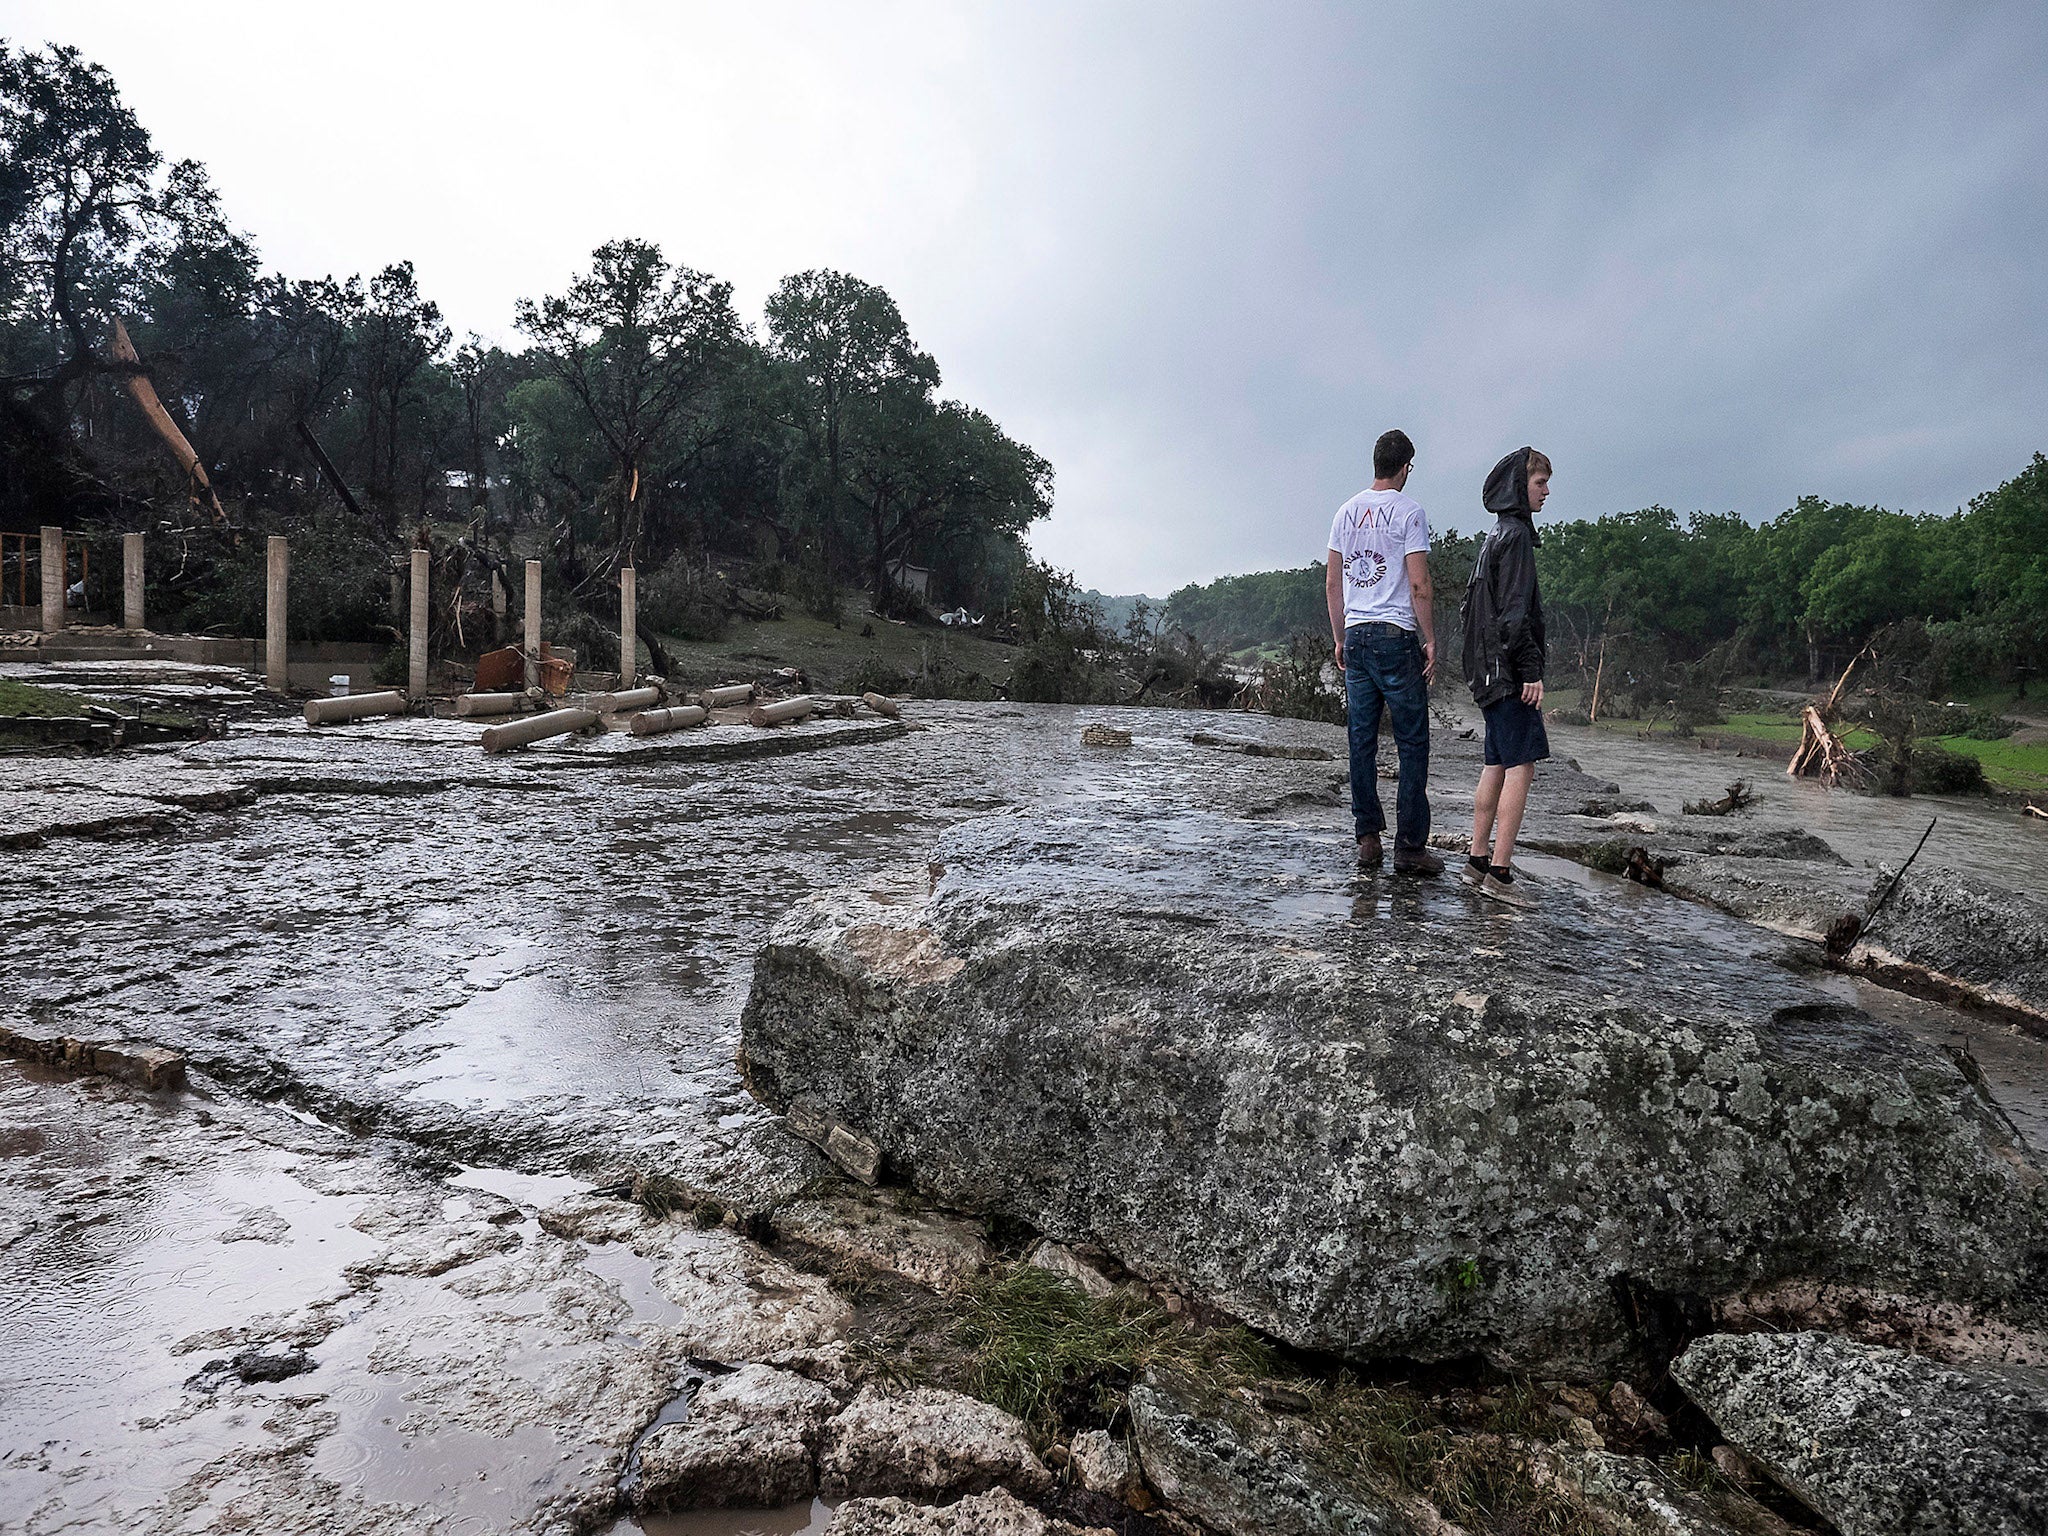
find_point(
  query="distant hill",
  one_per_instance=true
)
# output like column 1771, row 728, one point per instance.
column 1232, row 612
column 1116, row 611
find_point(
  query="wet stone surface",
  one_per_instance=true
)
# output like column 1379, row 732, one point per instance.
column 534, row 962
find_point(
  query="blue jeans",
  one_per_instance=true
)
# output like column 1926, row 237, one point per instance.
column 1383, row 664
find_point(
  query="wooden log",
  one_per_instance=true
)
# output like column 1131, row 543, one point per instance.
column 631, row 698
column 732, row 693
column 882, row 705
column 782, row 711
column 2034, row 810
column 356, row 706
column 520, row 733
column 489, row 704
column 653, row 722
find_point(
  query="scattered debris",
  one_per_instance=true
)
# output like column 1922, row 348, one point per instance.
column 1738, row 798
column 1644, row 870
column 355, row 706
column 2034, row 810
column 1100, row 735
column 1821, row 753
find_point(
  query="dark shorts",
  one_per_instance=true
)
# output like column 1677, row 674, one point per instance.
column 1515, row 734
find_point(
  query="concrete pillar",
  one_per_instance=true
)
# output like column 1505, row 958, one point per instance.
column 356, row 706
column 490, row 704
column 556, row 722
column 497, row 609
column 787, row 709
column 131, row 582
column 531, row 638
column 416, row 674
column 629, row 626
column 629, row 698
column 654, row 722
column 53, row 580
column 881, row 704
column 274, row 672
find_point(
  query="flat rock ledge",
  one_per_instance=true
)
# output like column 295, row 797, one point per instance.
column 1881, row 1442
column 1382, row 1119
column 762, row 1437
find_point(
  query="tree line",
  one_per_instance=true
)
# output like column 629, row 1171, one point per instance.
column 1650, row 594
column 642, row 420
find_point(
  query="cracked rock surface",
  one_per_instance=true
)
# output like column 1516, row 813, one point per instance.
column 1881, row 1442
column 1383, row 1121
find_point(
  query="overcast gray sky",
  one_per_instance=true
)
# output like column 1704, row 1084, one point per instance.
column 1199, row 255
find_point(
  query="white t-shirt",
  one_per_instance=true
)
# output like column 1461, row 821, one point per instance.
column 1375, row 532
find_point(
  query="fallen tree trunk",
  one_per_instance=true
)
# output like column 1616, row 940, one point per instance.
column 1821, row 754
column 1738, row 798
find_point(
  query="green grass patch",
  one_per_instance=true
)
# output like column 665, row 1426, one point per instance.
column 45, row 703
column 2008, row 764
column 1400, row 1442
column 1033, row 1341
column 861, row 649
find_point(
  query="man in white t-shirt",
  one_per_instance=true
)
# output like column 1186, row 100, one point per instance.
column 1381, row 616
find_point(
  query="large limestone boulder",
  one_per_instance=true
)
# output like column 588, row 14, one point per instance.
column 1382, row 1117
column 1990, row 940
column 1880, row 1442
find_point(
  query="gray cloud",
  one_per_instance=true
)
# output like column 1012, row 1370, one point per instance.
column 1200, row 255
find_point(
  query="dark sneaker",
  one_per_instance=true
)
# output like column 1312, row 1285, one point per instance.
column 1507, row 892
column 1369, row 854
column 1417, row 861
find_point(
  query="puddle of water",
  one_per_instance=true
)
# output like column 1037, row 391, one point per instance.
column 531, row 1037
column 795, row 1520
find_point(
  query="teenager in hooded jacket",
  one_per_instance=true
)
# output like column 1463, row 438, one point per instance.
column 1503, row 664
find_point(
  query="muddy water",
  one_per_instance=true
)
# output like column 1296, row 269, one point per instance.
column 1978, row 837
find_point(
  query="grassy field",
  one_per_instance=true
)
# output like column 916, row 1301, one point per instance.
column 2008, row 764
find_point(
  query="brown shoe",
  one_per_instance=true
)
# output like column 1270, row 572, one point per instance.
column 1369, row 853
column 1416, row 861
column 1508, row 893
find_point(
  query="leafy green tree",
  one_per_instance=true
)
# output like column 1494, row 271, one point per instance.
column 638, row 344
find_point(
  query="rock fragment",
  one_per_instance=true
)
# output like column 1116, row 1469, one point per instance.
column 1244, row 1482
column 1102, row 1463
column 995, row 1513
column 1099, row 735
column 927, row 1443
column 931, row 1249
column 1876, row 1440
column 748, row 1441
column 1058, row 1259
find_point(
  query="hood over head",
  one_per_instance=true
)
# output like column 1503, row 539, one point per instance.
column 1507, row 486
